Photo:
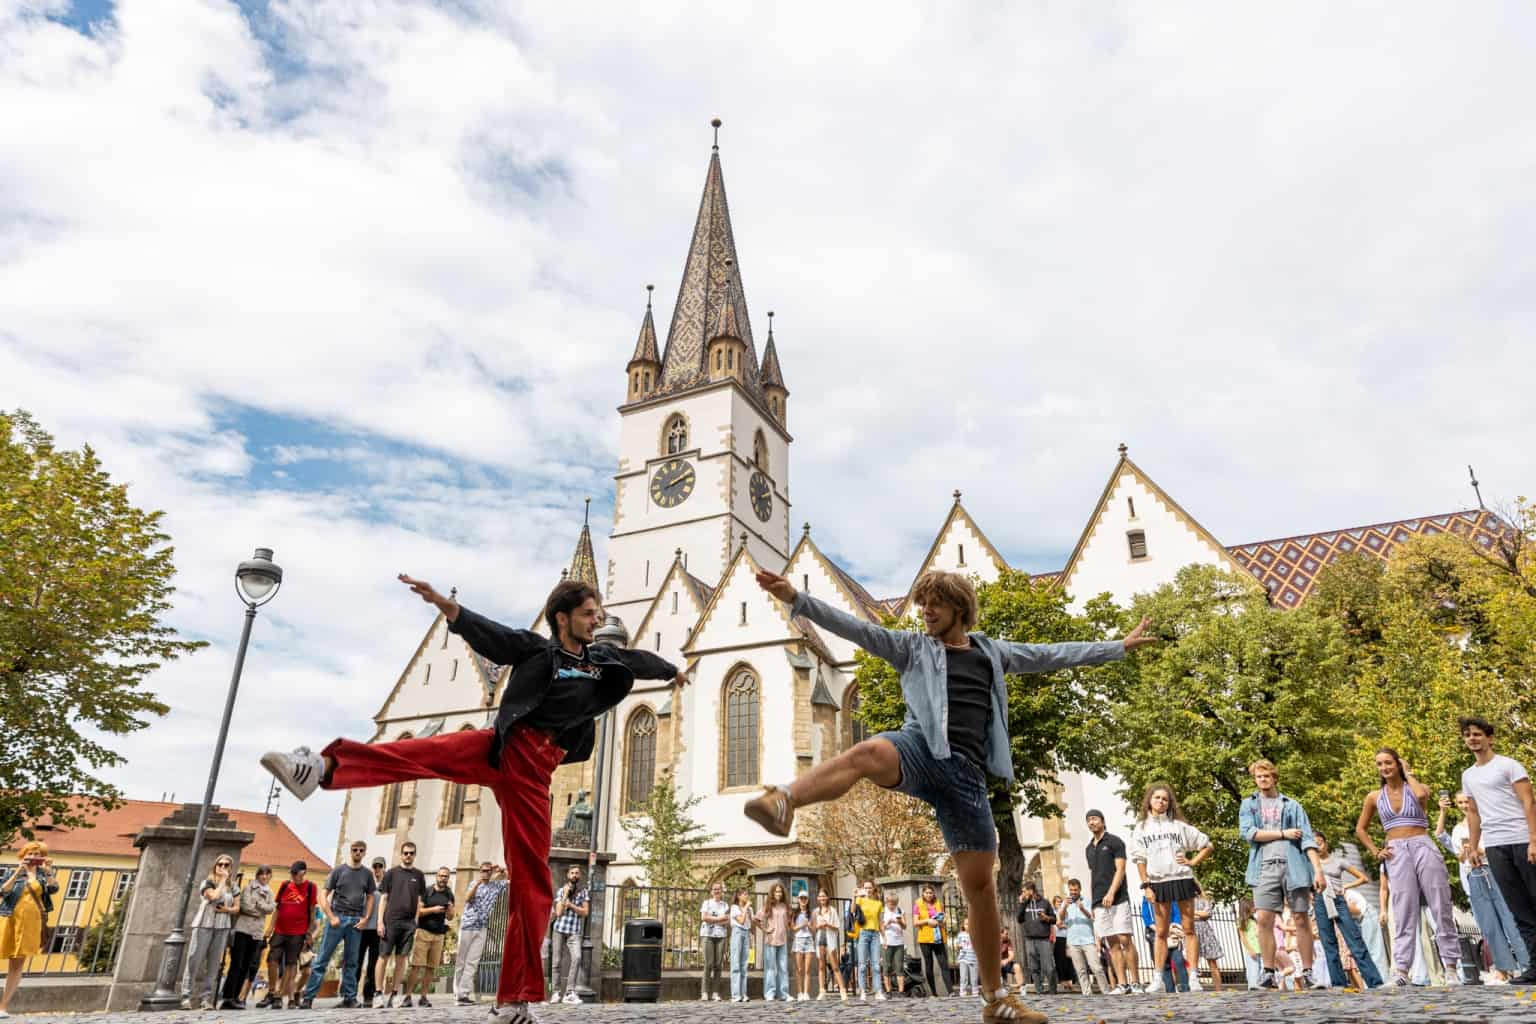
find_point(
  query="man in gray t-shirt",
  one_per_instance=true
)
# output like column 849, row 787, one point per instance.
column 346, row 901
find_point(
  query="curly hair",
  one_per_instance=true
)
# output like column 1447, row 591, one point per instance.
column 1173, row 801
column 947, row 588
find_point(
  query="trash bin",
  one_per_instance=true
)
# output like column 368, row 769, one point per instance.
column 641, row 977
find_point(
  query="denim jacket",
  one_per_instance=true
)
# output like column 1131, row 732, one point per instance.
column 8, row 900
column 924, row 672
column 1298, row 867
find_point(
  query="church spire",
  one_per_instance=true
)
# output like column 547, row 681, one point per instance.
column 644, row 367
column 711, row 283
column 772, row 377
column 584, row 563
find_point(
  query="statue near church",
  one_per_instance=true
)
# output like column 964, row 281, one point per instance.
column 579, row 817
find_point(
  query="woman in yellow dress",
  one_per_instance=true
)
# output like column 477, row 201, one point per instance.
column 26, row 899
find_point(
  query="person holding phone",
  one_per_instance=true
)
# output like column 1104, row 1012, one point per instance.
column 26, row 900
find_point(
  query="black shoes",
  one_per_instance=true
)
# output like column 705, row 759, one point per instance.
column 1528, row 978
column 422, row 1001
column 306, row 1004
column 231, row 1004
column 348, row 1004
column 405, row 1001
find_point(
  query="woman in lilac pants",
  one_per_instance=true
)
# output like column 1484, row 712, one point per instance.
column 1413, row 863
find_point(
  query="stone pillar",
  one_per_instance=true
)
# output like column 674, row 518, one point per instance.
column 594, row 871
column 165, row 852
column 907, row 889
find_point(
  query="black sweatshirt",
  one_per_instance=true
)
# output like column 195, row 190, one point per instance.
column 535, row 661
column 1036, row 917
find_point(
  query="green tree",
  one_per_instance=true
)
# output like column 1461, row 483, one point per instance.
column 98, row 950
column 1062, row 721
column 665, row 837
column 85, row 579
column 1235, row 680
column 872, row 833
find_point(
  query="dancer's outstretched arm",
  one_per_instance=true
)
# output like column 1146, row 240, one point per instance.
column 502, row 645
column 646, row 665
column 893, row 645
column 1026, row 659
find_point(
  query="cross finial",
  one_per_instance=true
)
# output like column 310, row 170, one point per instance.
column 770, row 323
column 715, row 124
column 1475, row 489
column 1123, row 450
column 648, row 289
column 586, row 516
column 453, row 592
column 679, row 554
column 806, row 529
column 957, row 495
column 743, row 540
column 564, row 573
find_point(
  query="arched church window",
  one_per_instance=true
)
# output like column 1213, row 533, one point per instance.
column 640, row 755
column 742, row 697
column 760, row 452
column 677, row 434
column 854, row 730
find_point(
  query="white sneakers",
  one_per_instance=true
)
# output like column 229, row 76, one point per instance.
column 571, row 999
column 1157, row 984
column 1194, row 983
column 1453, row 976
column 299, row 772
column 805, row 997
column 554, row 999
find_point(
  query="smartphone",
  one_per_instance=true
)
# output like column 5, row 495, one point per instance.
column 1444, row 795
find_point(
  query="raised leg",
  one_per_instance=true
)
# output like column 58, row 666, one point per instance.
column 874, row 759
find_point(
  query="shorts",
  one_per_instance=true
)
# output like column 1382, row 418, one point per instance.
column 427, row 950
column 398, row 936
column 956, row 789
column 1115, row 920
column 828, row 939
column 1175, row 890
column 284, row 950
column 893, row 961
column 1271, row 894
column 803, row 944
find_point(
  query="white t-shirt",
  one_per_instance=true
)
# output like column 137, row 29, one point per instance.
column 894, row 934
column 1492, row 787
column 712, row 908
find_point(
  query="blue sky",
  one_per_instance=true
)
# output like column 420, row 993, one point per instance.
column 357, row 282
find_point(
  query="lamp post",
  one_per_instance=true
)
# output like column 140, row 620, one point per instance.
column 257, row 581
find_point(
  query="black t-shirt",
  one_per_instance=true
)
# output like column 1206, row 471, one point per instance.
column 436, row 924
column 576, row 695
column 1101, row 862
column 404, row 887
column 970, row 703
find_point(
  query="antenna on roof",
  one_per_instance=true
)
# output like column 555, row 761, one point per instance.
column 1476, row 490
column 274, row 797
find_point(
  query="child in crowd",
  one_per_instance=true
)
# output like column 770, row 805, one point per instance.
column 970, row 980
column 893, row 940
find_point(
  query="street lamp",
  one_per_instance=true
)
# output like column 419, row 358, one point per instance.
column 257, row 581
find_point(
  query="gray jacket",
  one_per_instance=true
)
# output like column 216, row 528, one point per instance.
column 922, row 663
column 256, row 902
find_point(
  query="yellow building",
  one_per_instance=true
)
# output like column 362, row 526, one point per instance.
column 96, row 866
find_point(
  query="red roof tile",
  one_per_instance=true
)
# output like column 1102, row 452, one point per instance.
column 111, row 834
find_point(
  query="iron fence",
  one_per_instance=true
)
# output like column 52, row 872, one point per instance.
column 83, row 933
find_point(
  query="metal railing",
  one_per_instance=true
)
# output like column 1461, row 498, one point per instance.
column 84, row 932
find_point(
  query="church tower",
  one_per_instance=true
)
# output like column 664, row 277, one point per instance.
column 704, row 440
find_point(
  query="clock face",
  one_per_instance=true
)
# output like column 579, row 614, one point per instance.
column 672, row 483
column 761, row 494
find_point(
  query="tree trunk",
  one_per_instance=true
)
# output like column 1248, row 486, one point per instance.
column 1010, row 857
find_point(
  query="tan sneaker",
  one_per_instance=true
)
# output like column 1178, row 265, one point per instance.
column 1010, row 1009
column 774, row 810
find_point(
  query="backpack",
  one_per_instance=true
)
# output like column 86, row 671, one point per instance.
column 311, row 900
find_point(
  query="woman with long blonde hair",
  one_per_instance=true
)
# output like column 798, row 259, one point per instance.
column 218, row 905
column 26, row 899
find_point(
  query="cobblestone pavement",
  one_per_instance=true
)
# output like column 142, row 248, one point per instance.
column 1413, row 1006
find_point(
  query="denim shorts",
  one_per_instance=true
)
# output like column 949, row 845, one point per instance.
column 956, row 788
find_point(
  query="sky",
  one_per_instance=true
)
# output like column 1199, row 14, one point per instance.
column 357, row 281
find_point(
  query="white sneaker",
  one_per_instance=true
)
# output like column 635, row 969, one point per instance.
column 805, row 997
column 1157, row 984
column 714, row 997
column 1453, row 976
column 299, row 772
column 554, row 999
column 880, row 997
column 572, row 999
column 704, row 999
column 1316, row 982
column 378, row 1001
column 1194, row 984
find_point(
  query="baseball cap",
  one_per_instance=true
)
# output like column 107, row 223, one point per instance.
column 297, row 866
column 380, row 862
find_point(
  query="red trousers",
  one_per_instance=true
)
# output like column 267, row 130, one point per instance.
column 521, row 788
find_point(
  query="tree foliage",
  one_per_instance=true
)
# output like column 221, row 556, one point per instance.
column 872, row 833
column 85, row 580
column 1062, row 721
column 665, row 837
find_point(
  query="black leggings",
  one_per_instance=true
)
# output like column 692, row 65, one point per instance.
column 931, row 950
column 244, row 957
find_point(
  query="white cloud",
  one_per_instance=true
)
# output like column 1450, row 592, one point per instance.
column 1281, row 253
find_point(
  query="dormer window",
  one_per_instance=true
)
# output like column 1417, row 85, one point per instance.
column 1137, row 540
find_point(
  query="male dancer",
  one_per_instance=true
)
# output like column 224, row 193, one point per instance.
column 1112, row 902
column 955, row 734
column 556, row 689
column 1284, row 869
column 1501, row 826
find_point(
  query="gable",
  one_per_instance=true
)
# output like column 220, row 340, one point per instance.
column 673, row 614
column 722, row 625
column 960, row 546
column 442, row 675
column 1132, row 503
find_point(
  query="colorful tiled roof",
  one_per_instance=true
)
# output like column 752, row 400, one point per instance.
column 111, row 834
column 1288, row 567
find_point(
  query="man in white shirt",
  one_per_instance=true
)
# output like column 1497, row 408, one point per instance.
column 1501, row 820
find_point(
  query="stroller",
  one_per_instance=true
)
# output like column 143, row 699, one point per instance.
column 912, row 968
